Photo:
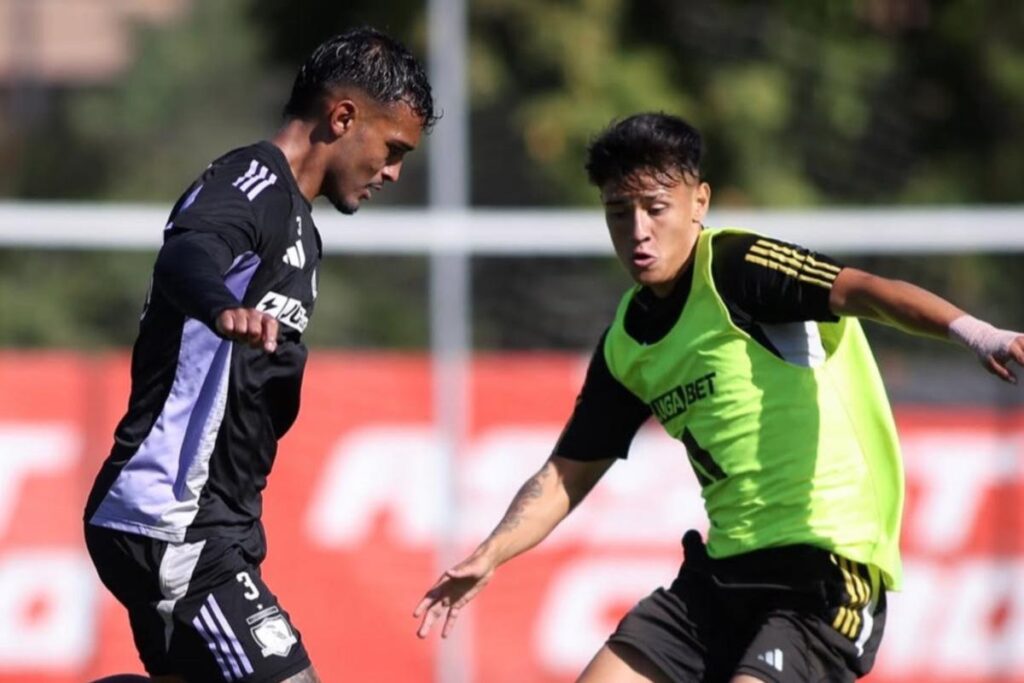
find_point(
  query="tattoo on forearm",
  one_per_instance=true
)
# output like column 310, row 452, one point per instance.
column 528, row 492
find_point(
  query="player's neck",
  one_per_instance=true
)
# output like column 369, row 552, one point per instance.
column 295, row 140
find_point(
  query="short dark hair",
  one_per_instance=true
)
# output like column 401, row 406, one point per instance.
column 661, row 144
column 372, row 61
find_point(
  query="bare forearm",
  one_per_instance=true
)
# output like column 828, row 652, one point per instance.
column 537, row 508
column 893, row 302
column 541, row 504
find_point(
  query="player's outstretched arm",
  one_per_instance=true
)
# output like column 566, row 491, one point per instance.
column 541, row 503
column 918, row 311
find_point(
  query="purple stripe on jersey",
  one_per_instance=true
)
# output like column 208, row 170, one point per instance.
column 184, row 205
column 157, row 492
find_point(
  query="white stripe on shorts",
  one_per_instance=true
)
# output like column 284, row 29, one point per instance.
column 176, row 567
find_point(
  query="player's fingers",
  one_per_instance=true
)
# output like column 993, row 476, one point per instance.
column 421, row 609
column 449, row 623
column 226, row 323
column 269, row 336
column 1007, row 373
column 997, row 369
column 424, row 630
column 1017, row 352
column 241, row 327
column 433, row 615
column 254, row 329
column 234, row 323
column 469, row 595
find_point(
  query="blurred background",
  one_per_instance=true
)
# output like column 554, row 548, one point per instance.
column 456, row 314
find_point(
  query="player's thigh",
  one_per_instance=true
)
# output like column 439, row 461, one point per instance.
column 621, row 663
column 790, row 648
column 231, row 627
column 307, row 676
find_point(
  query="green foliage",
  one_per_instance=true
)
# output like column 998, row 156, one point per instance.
column 71, row 299
column 801, row 103
column 195, row 89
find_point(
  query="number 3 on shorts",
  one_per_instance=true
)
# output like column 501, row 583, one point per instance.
column 251, row 591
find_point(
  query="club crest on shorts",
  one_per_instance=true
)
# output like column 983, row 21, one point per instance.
column 272, row 632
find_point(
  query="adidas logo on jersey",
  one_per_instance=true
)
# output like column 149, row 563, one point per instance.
column 772, row 658
column 296, row 255
column 288, row 311
column 255, row 180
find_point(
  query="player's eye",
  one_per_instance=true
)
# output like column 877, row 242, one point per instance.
column 395, row 154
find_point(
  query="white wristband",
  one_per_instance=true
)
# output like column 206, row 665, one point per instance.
column 982, row 338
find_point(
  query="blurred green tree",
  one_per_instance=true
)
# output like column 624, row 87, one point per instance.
column 836, row 102
column 197, row 88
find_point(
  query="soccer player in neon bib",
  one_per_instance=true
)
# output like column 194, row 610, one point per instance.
column 749, row 351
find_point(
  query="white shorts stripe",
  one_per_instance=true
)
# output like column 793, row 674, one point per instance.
column 198, row 623
column 211, row 625
column 229, row 634
column 869, row 625
column 176, row 567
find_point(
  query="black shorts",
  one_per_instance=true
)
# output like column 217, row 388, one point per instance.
column 795, row 613
column 198, row 610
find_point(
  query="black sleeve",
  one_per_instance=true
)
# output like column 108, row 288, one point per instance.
column 190, row 270
column 769, row 281
column 606, row 418
column 214, row 222
column 218, row 203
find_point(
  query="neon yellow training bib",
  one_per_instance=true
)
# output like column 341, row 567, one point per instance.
column 785, row 454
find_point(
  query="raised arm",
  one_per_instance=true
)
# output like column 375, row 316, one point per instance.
column 540, row 505
column 918, row 311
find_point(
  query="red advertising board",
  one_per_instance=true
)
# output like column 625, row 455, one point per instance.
column 359, row 508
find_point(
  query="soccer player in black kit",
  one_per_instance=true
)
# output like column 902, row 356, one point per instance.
column 173, row 521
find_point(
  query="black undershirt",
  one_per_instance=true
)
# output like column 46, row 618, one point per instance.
column 760, row 282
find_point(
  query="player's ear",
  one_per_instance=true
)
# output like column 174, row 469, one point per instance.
column 701, row 201
column 341, row 114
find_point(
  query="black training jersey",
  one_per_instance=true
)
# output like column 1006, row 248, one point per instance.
column 192, row 454
column 767, row 296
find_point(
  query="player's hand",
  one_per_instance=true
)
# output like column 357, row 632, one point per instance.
column 999, row 363
column 249, row 326
column 452, row 592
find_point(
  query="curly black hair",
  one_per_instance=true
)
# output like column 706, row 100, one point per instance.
column 660, row 144
column 374, row 62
